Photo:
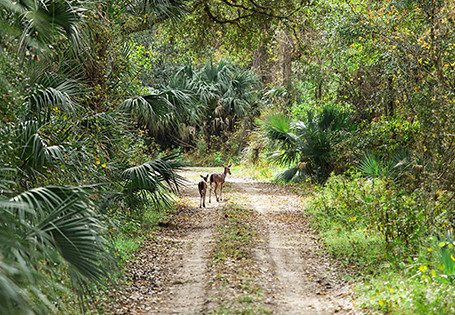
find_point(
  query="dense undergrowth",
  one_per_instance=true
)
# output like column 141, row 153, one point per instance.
column 401, row 244
column 101, row 100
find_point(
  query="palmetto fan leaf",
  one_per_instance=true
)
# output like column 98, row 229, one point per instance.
column 220, row 94
column 286, row 156
column 65, row 221
column 374, row 166
column 180, row 91
column 34, row 152
column 156, row 177
column 152, row 176
column 77, row 237
column 293, row 174
column 206, row 93
column 316, row 145
column 152, row 109
column 278, row 129
column 309, row 142
column 53, row 92
column 46, row 19
column 184, row 107
column 44, row 198
column 216, row 73
column 56, row 225
column 333, row 119
column 19, row 277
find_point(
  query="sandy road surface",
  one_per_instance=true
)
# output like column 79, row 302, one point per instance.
column 294, row 275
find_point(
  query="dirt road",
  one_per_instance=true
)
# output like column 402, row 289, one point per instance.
column 281, row 269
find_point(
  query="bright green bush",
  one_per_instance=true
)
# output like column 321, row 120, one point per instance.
column 378, row 206
column 401, row 242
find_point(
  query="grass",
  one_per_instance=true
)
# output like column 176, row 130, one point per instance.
column 391, row 278
column 362, row 248
column 233, row 265
column 235, row 237
column 406, row 292
column 262, row 170
column 132, row 233
column 126, row 246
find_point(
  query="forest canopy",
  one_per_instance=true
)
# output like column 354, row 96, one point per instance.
column 102, row 102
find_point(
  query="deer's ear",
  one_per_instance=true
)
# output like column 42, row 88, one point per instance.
column 229, row 165
column 201, row 176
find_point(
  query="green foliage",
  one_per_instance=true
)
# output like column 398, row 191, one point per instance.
column 308, row 143
column 68, row 151
column 375, row 167
column 378, row 208
column 53, row 224
column 402, row 239
column 205, row 102
column 406, row 293
column 126, row 246
column 231, row 29
column 151, row 178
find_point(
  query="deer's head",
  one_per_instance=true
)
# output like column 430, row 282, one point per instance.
column 205, row 178
column 227, row 169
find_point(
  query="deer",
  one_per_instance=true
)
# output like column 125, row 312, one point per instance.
column 203, row 189
column 218, row 180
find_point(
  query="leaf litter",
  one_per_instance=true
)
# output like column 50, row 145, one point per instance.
column 280, row 269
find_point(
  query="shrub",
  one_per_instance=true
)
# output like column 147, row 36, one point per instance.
column 378, row 206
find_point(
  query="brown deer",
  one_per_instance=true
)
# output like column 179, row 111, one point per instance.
column 203, row 189
column 218, row 179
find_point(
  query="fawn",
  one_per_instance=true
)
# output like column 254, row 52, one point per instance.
column 218, row 179
column 203, row 189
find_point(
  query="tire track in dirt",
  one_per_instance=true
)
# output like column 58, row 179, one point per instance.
column 294, row 274
column 296, row 277
column 186, row 290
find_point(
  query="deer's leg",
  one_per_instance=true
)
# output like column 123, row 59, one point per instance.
column 221, row 190
column 210, row 193
column 216, row 186
column 203, row 200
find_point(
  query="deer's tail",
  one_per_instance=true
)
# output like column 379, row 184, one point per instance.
column 211, row 179
column 201, row 187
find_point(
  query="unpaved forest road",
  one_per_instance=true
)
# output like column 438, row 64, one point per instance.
column 287, row 265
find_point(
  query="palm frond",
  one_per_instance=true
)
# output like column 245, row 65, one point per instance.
column 53, row 224
column 66, row 222
column 293, row 174
column 154, row 175
column 310, row 141
column 333, row 119
column 20, row 280
column 285, row 156
column 207, row 93
column 44, row 20
column 373, row 166
column 150, row 109
column 34, row 152
column 53, row 93
column 317, row 145
column 182, row 103
column 277, row 130
column 44, row 198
